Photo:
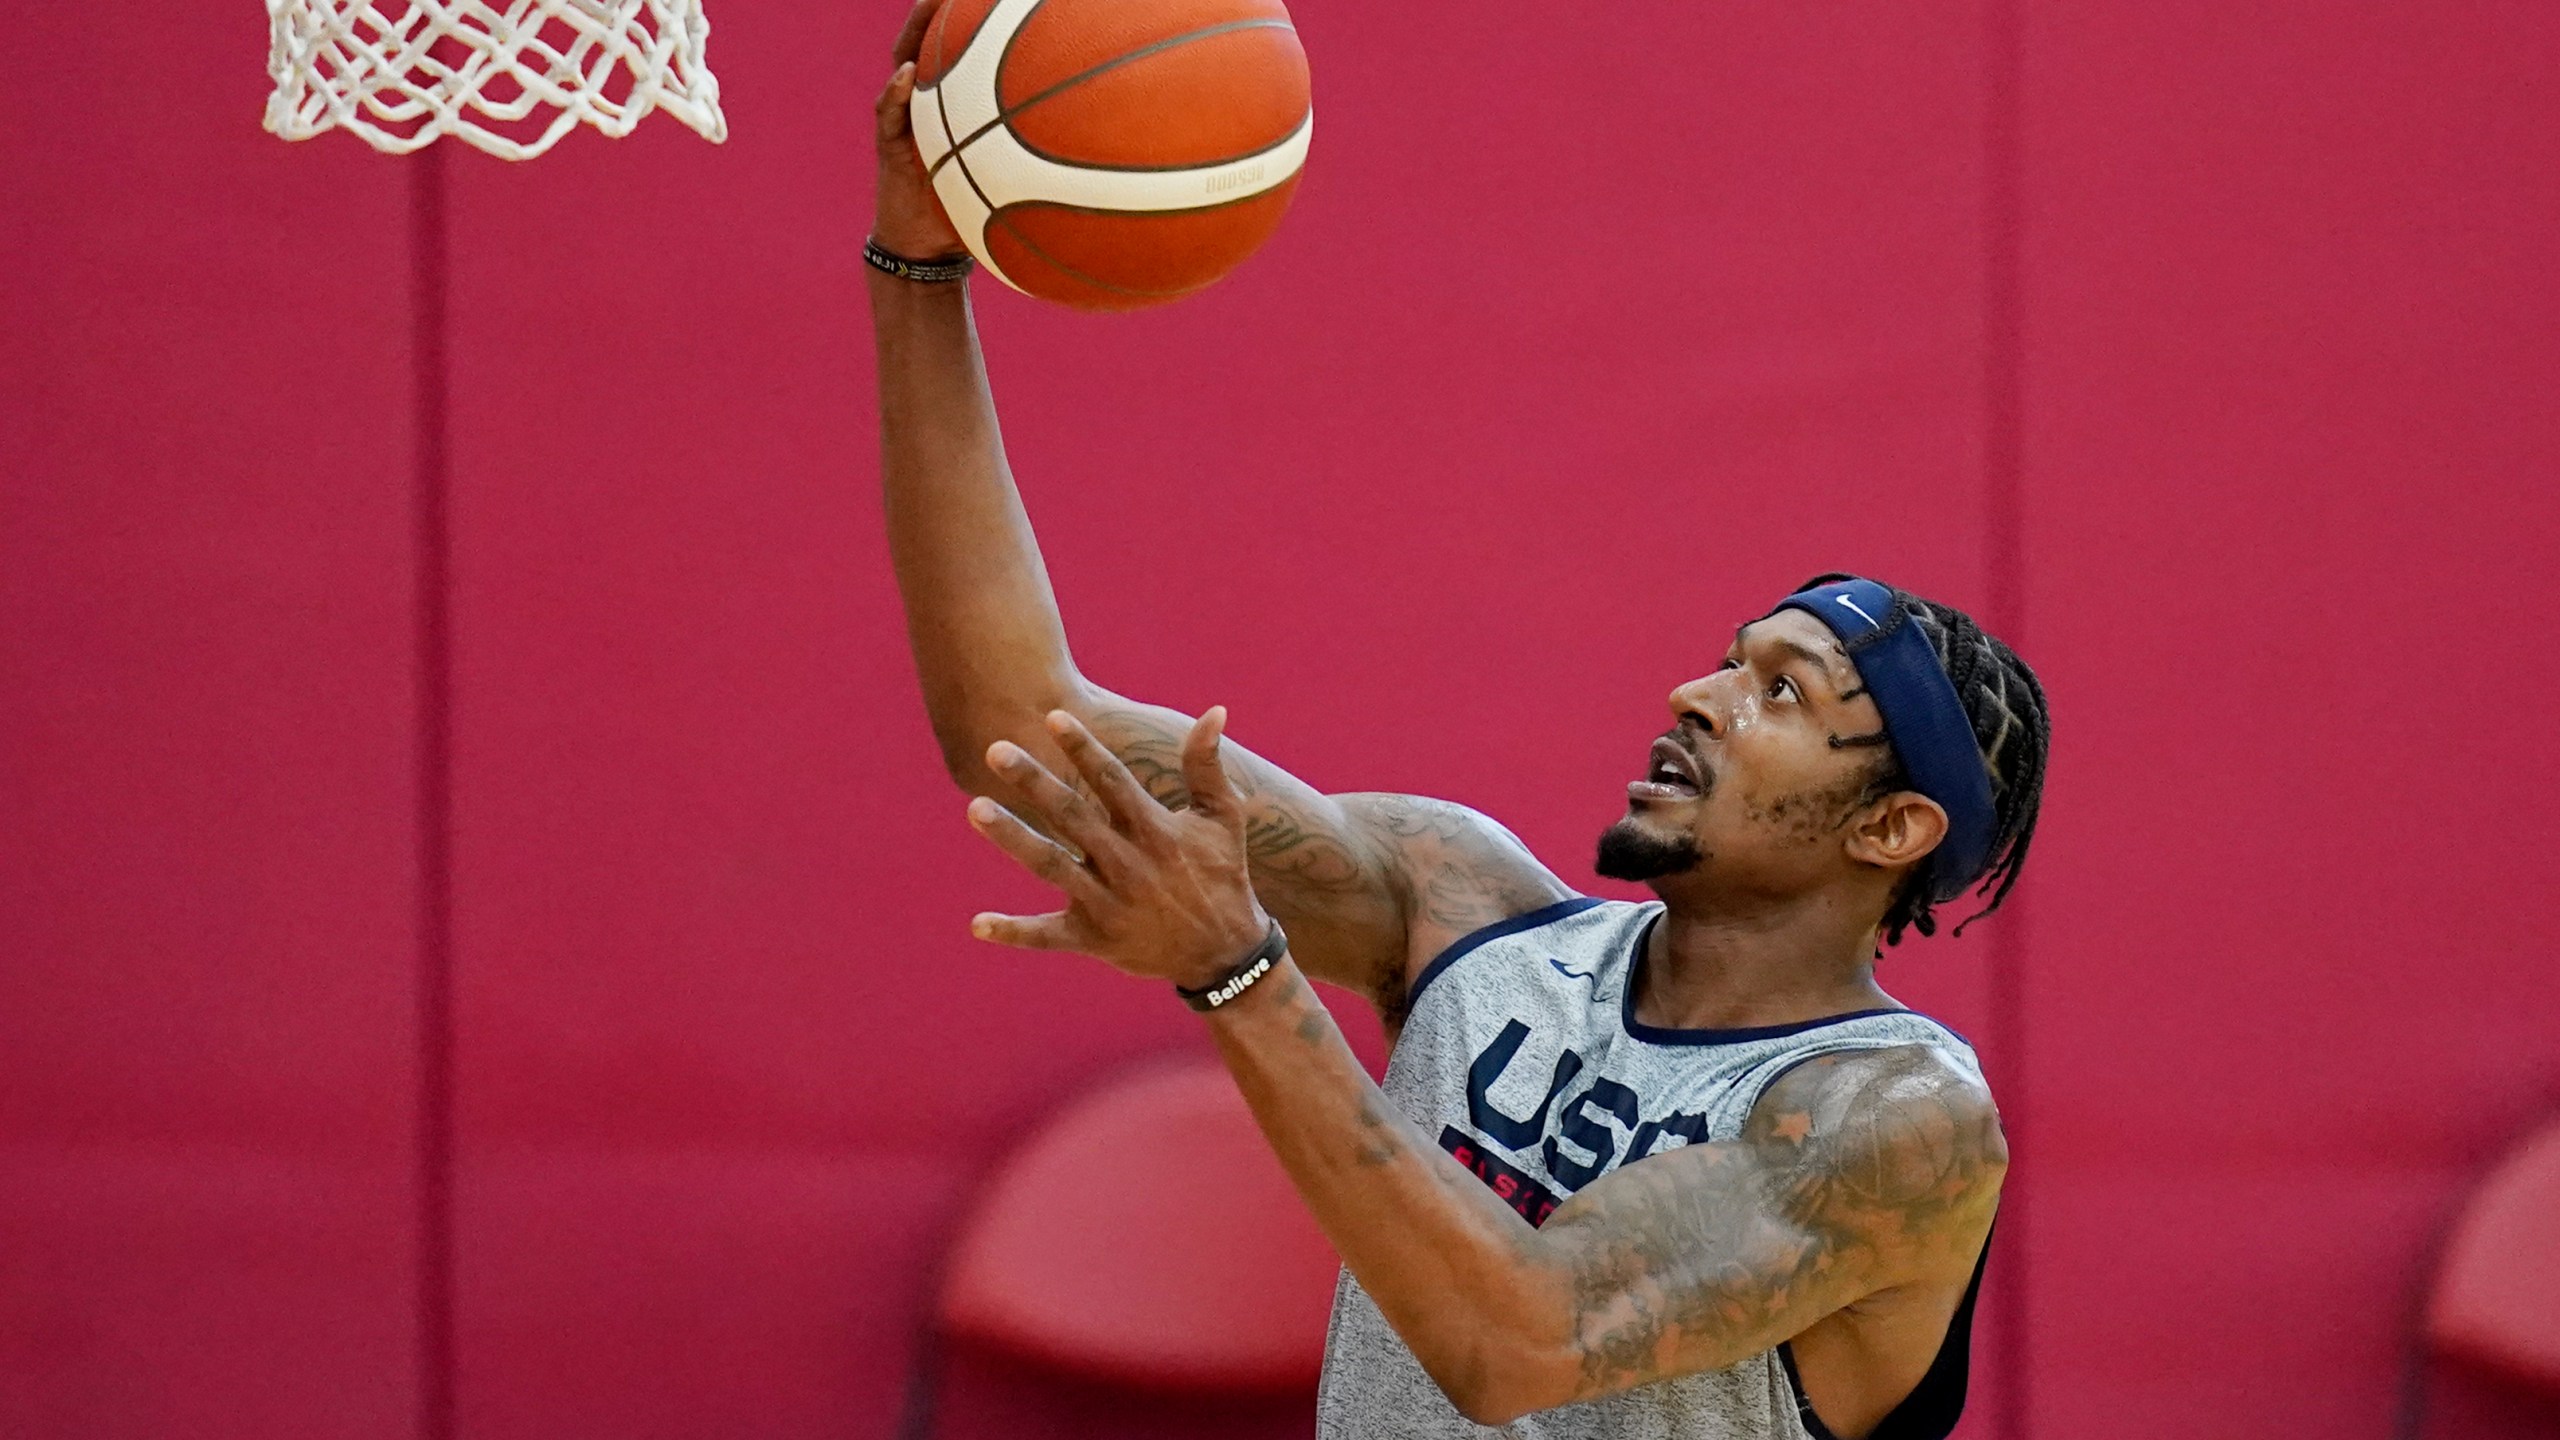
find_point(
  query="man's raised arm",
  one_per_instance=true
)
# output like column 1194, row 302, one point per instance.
column 992, row 653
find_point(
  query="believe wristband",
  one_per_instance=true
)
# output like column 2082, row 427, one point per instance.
column 1240, row 979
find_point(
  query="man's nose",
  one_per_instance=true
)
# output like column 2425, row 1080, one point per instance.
column 1698, row 701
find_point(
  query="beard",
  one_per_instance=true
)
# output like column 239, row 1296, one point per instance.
column 1628, row 851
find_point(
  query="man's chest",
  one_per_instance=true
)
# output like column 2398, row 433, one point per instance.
column 1539, row 1101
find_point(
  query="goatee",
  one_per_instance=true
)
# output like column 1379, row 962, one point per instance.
column 1628, row 851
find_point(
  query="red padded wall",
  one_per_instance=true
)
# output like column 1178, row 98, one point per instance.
column 726, row 1053
column 206, row 763
column 2289, row 305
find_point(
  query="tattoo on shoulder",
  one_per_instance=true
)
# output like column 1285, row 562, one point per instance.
column 1467, row 871
column 1855, row 1172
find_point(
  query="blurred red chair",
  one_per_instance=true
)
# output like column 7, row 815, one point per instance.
column 1141, row 1267
column 2496, row 1303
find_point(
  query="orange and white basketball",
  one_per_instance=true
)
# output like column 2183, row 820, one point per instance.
column 1110, row 154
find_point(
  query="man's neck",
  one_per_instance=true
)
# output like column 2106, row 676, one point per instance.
column 1723, row 969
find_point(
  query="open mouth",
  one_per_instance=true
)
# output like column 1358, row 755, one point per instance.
column 1673, row 775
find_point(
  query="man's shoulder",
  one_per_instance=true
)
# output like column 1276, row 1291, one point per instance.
column 1905, row 1128
column 1922, row 1073
column 1460, row 869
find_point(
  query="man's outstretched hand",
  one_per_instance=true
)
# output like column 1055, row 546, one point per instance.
column 1160, row 893
column 908, row 220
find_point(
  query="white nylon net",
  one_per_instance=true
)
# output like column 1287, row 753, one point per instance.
column 509, row 76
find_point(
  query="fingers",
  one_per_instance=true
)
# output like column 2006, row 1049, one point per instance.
column 1035, row 852
column 1067, row 812
column 1129, row 803
column 892, row 109
column 1054, row 931
column 911, row 35
column 1204, row 774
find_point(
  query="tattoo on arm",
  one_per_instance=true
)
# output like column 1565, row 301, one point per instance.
column 1856, row 1172
column 1357, row 880
column 1469, row 872
column 1377, row 1142
column 1327, row 881
column 1279, row 834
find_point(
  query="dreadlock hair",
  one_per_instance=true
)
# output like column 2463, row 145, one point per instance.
column 2006, row 705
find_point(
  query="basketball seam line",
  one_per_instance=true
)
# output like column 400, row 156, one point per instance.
column 1099, row 284
column 1069, row 205
column 1003, row 114
column 941, row 86
column 995, row 88
column 1061, row 160
column 1004, row 218
column 944, row 109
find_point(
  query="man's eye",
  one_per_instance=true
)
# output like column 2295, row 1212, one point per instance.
column 1782, row 688
column 1730, row 664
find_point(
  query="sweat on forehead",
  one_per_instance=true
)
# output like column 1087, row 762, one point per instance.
column 1795, row 633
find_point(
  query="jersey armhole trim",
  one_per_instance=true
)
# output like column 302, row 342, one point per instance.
column 1805, row 1057
column 1812, row 1423
column 1458, row 948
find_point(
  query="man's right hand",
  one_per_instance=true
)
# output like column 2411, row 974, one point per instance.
column 1363, row 883
column 907, row 218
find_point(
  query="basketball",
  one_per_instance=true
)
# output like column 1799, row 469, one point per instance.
column 1112, row 154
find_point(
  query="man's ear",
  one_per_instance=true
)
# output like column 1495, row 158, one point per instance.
column 1898, row 830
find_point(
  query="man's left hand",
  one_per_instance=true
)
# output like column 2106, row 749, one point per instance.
column 1156, row 892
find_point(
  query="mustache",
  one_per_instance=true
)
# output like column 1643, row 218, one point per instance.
column 1682, row 737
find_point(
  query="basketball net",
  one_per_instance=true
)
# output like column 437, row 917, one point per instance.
column 508, row 76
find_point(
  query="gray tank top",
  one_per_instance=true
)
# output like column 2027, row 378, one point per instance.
column 1522, row 1057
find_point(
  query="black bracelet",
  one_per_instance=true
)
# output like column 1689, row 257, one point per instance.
column 930, row 272
column 1240, row 979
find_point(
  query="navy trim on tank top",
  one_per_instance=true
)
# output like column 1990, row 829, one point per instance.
column 1664, row 1035
column 1544, row 914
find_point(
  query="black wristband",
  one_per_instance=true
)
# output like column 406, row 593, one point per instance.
column 930, row 272
column 1240, row 979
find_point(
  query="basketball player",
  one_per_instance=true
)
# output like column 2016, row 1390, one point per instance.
column 1678, row 1168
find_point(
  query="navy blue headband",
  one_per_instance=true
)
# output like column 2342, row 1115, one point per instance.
column 1926, row 722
